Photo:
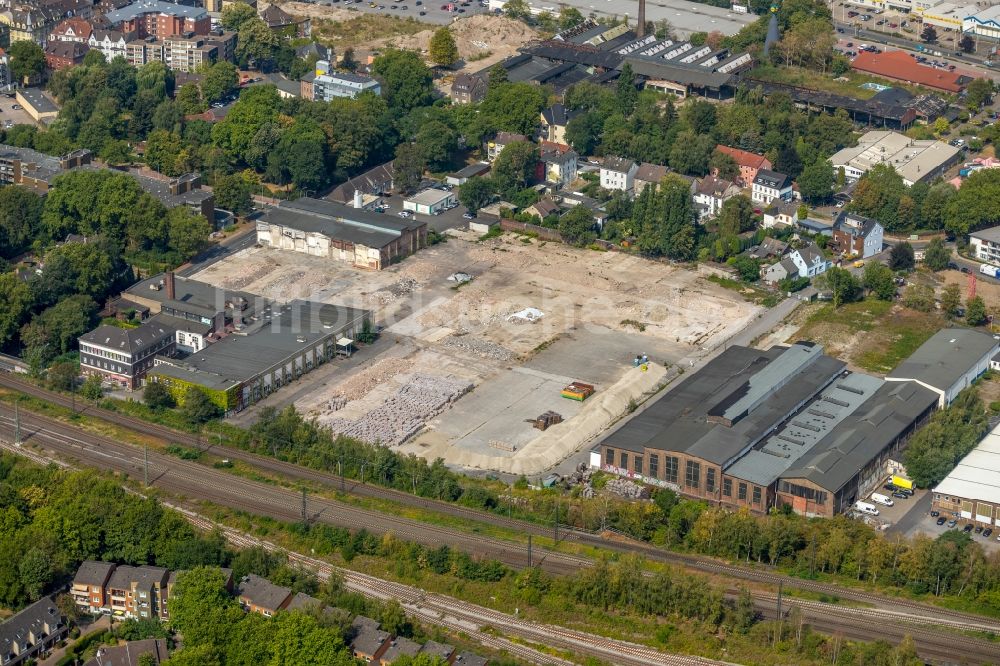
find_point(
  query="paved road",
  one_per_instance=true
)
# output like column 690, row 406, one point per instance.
column 243, row 239
column 432, row 10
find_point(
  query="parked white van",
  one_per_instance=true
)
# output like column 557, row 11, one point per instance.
column 881, row 499
column 865, row 507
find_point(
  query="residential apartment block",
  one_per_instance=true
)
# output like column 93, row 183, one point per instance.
column 326, row 83
column 618, row 173
column 771, row 185
column 89, row 587
column 157, row 18
column 748, row 163
column 985, row 244
column 857, row 236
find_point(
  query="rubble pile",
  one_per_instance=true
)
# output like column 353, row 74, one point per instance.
column 379, row 372
column 627, row 489
column 483, row 348
column 405, row 412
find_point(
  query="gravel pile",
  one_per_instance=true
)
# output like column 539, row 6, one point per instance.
column 483, row 348
column 402, row 287
column 403, row 414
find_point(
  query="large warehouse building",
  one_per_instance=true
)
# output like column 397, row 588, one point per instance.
column 353, row 235
column 760, row 429
column 948, row 362
column 972, row 490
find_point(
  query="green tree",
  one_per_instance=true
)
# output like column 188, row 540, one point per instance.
column 476, row 193
column 979, row 93
column 437, row 142
column 975, row 311
column 62, row 376
column 189, row 99
column 197, row 408
column 232, row 193
column 577, row 226
column 919, row 297
column 188, row 231
column 220, row 79
column 748, row 268
column 235, row 14
column 724, row 165
column 15, row 301
column 408, row 167
column 514, row 167
column 255, row 42
column 841, row 283
column 951, row 300
column 878, row 195
column 879, row 280
column 736, row 216
column 901, row 258
column 27, row 60
column 512, row 107
column 406, row 81
column 20, row 219
column 816, row 182
column 936, row 255
column 157, row 397
column 691, row 153
column 976, row 204
column 516, row 9
column 443, row 51
column 929, row 34
column 583, row 132
column 628, row 94
column 93, row 388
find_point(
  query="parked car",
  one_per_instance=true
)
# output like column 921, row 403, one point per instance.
column 469, row 216
column 940, row 521
column 935, row 514
column 967, row 528
column 979, row 529
column 987, row 532
column 953, row 522
column 900, row 495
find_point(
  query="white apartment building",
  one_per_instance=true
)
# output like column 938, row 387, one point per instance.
column 618, row 173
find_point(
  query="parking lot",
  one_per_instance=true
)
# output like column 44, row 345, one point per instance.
column 423, row 10
column 912, row 517
column 14, row 116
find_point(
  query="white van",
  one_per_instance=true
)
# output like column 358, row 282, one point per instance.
column 865, row 507
column 881, row 499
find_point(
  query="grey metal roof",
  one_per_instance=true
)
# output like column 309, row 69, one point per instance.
column 302, row 601
column 680, row 73
column 992, row 234
column 853, row 443
column 144, row 576
column 472, row 170
column 367, row 641
column 581, row 54
column 946, row 357
column 798, row 435
column 38, row 99
column 436, row 649
column 129, row 340
column 772, row 179
column 620, row 164
column 336, row 220
column 129, row 654
column 262, row 592
column 91, row 572
column 129, row 12
column 30, row 620
column 688, row 418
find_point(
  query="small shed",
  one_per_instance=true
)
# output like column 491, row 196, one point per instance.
column 461, row 176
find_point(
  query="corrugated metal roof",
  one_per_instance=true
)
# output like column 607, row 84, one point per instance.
column 946, row 357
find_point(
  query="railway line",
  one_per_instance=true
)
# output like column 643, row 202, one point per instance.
column 912, row 610
column 194, row 481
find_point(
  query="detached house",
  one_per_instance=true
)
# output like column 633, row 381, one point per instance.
column 501, row 141
column 618, row 173
column 771, row 185
column 554, row 120
column 468, row 89
column 559, row 162
column 807, row 262
column 784, row 213
column 749, row 164
column 857, row 236
column 710, row 193
column 649, row 175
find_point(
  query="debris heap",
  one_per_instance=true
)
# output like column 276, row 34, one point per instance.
column 405, row 412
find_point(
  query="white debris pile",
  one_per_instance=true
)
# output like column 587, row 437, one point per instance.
column 379, row 372
column 403, row 414
column 483, row 348
column 627, row 489
column 336, row 403
column 402, row 287
column 459, row 277
column 526, row 316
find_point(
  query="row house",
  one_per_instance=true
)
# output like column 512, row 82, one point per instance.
column 29, row 23
column 34, row 631
column 64, row 54
column 138, row 592
column 259, row 595
column 89, row 588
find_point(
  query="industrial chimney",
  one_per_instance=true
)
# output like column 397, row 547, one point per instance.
column 641, row 30
column 169, row 281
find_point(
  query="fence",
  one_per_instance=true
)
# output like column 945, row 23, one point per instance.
column 525, row 228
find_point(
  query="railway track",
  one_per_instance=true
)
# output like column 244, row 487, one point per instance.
column 194, row 481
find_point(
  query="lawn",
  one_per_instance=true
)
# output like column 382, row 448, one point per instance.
column 871, row 335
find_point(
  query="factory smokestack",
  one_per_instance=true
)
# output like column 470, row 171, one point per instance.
column 641, row 30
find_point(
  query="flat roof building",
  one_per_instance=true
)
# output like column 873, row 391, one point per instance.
column 915, row 160
column 902, row 66
column 431, row 201
column 948, row 362
column 353, row 235
column 972, row 490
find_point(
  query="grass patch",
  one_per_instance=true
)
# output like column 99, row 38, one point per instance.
column 637, row 325
column 808, row 78
column 364, row 28
column 494, row 232
column 891, row 332
column 750, row 292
